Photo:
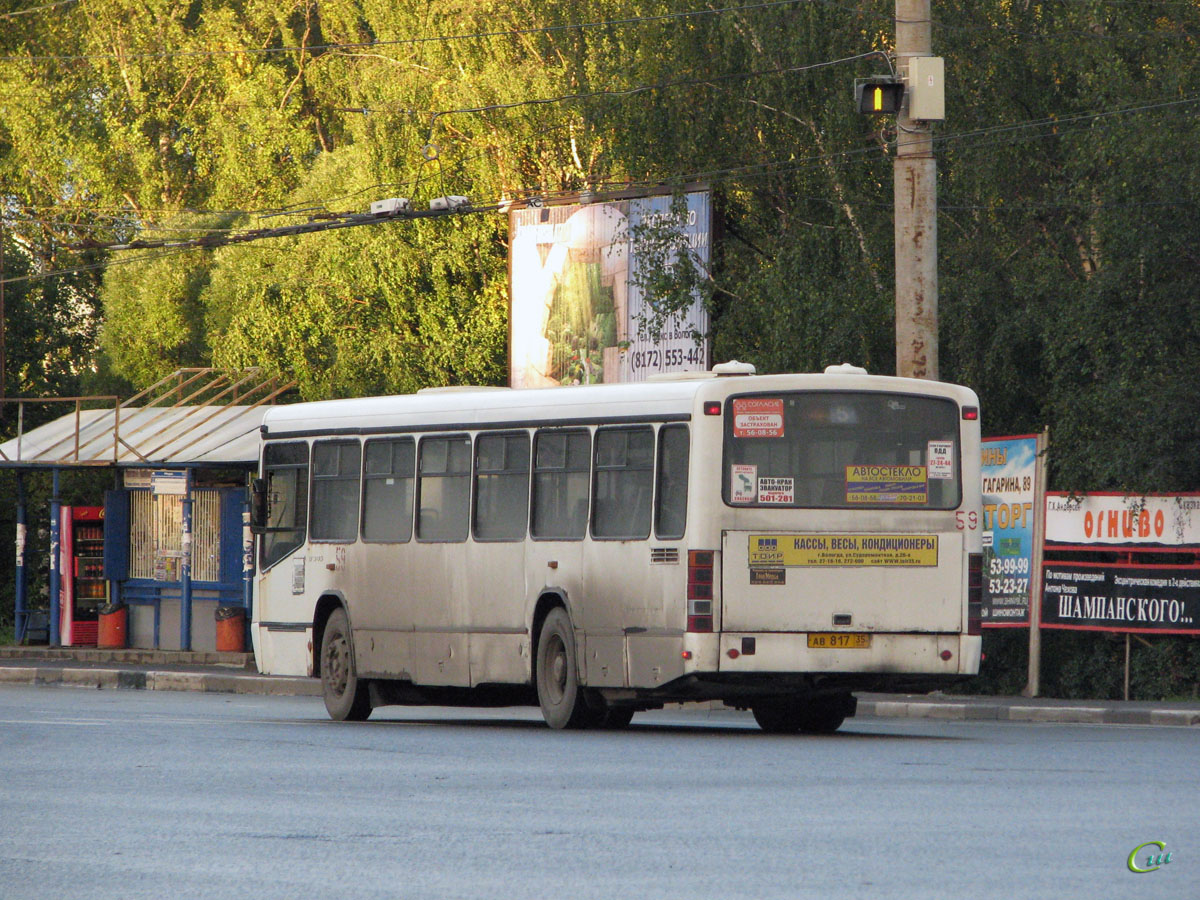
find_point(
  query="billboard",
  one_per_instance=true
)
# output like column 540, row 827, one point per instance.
column 1009, row 473
column 1121, row 597
column 1149, row 520
column 577, row 307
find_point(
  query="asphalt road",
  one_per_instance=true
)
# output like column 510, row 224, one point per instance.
column 135, row 794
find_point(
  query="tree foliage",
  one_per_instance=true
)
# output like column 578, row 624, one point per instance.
column 1069, row 278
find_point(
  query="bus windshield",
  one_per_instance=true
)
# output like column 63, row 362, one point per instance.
column 841, row 450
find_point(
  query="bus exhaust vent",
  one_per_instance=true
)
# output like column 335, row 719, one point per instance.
column 664, row 556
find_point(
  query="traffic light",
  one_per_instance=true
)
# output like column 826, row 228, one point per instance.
column 878, row 96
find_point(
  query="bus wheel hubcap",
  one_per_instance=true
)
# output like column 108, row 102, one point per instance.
column 335, row 664
column 558, row 670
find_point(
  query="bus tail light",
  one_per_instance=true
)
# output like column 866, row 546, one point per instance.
column 700, row 590
column 975, row 593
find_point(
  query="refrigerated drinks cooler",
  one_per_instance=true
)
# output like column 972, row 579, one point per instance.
column 84, row 590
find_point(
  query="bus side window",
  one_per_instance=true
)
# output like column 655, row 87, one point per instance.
column 388, row 481
column 335, row 470
column 670, row 511
column 501, row 487
column 624, row 483
column 561, row 477
column 285, row 467
column 444, row 489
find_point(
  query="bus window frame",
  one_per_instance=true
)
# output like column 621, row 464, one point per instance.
column 658, row 455
column 412, row 525
column 533, row 473
column 597, row 469
column 301, row 529
column 727, row 436
column 417, row 499
column 313, row 477
column 502, row 434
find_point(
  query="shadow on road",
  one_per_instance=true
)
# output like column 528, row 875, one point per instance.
column 733, row 729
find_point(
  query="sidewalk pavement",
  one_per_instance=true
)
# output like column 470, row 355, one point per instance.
column 234, row 673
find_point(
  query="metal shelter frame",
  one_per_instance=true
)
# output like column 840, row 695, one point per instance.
column 192, row 418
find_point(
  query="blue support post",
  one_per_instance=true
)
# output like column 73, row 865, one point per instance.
column 21, row 617
column 185, row 570
column 55, row 574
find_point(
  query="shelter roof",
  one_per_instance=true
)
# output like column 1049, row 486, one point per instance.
column 192, row 417
column 177, row 437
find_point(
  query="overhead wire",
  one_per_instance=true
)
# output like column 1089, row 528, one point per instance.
column 34, row 9
column 1006, row 134
column 1000, row 134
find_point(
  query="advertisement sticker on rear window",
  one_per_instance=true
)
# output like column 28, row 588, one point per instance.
column 776, row 490
column 940, row 459
column 757, row 417
column 887, row 484
column 743, row 484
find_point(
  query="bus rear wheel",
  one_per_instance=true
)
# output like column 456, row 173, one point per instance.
column 559, row 694
column 823, row 716
column 617, row 717
column 346, row 698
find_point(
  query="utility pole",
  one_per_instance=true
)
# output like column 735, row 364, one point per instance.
column 3, row 321
column 916, row 209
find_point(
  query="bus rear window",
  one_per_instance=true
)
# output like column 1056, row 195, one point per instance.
column 841, row 450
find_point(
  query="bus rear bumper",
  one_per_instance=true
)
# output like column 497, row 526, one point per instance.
column 941, row 654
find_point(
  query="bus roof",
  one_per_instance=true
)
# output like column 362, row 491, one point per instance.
column 641, row 401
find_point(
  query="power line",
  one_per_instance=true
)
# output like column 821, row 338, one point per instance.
column 1056, row 121
column 1092, row 34
column 1009, row 133
column 34, row 9
column 1001, row 134
column 215, row 240
column 663, row 85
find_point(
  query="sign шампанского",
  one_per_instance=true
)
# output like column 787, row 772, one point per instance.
column 1121, row 598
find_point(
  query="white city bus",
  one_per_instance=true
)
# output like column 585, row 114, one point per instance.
column 775, row 542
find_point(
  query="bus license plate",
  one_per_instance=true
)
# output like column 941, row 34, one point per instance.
column 835, row 641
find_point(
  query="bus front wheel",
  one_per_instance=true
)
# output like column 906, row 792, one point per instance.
column 346, row 697
column 559, row 694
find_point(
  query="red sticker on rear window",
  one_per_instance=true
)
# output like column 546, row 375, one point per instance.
column 756, row 417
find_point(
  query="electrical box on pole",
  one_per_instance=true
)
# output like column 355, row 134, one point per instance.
column 878, row 96
column 927, row 89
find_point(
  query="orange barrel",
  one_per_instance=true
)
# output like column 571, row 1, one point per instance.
column 231, row 629
column 110, row 634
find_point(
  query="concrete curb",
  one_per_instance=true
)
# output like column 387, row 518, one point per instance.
column 1024, row 712
column 124, row 679
column 133, row 656
column 231, row 682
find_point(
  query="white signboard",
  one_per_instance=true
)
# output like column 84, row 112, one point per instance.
column 1164, row 520
column 172, row 483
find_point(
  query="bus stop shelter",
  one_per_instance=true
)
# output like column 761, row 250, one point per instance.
column 169, row 540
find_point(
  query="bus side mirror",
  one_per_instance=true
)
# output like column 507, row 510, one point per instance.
column 258, row 505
